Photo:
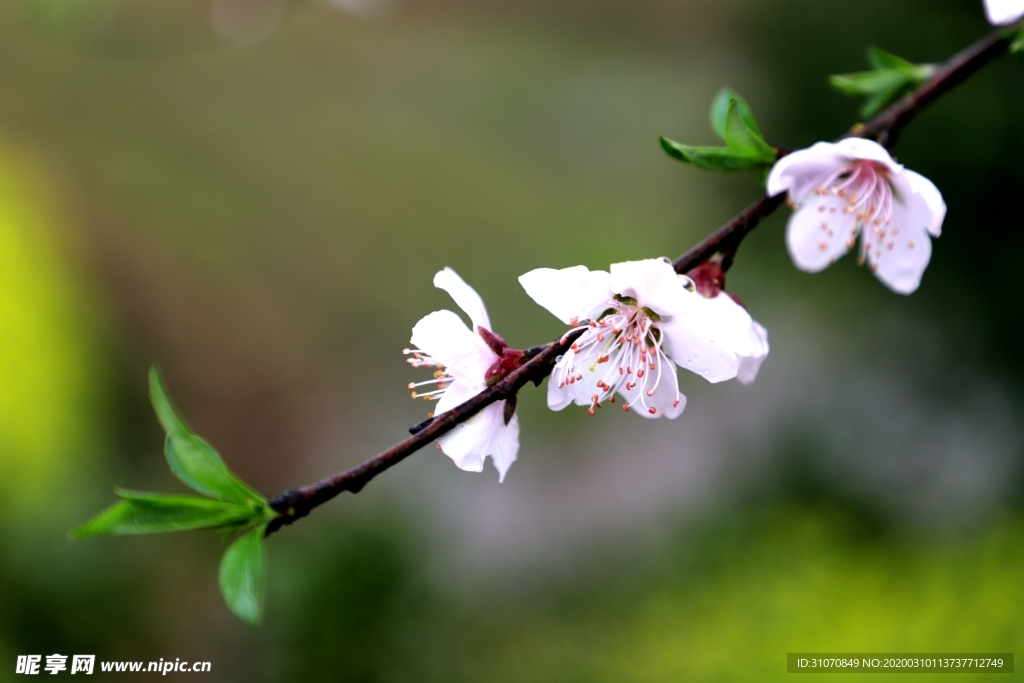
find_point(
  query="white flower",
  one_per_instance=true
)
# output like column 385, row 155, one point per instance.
column 644, row 320
column 853, row 186
column 465, row 360
column 1003, row 12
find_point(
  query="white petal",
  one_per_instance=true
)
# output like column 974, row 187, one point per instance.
column 922, row 200
column 505, row 445
column 751, row 363
column 1003, row 12
column 653, row 283
column 568, row 293
column 662, row 401
column 484, row 434
column 464, row 295
column 444, row 337
column 701, row 340
column 862, row 148
column 467, row 443
column 741, row 334
column 899, row 252
column 820, row 231
column 802, row 171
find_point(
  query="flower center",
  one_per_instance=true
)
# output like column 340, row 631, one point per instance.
column 624, row 350
column 866, row 190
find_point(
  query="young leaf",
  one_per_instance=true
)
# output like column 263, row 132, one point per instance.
column 866, row 82
column 241, row 576
column 733, row 120
column 720, row 111
column 880, row 59
column 150, row 513
column 892, row 78
column 710, row 158
column 743, row 138
column 193, row 460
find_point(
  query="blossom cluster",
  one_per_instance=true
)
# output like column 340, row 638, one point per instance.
column 641, row 320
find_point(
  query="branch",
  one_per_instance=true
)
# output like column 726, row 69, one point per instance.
column 294, row 504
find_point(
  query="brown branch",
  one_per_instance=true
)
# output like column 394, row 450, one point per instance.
column 295, row 504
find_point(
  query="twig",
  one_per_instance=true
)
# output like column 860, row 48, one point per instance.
column 294, row 504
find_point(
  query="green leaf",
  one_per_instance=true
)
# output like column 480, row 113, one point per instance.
column 710, row 158
column 193, row 460
column 241, row 576
column 150, row 513
column 892, row 78
column 867, row 82
column 733, row 120
column 742, row 138
column 880, row 59
column 1017, row 46
column 720, row 111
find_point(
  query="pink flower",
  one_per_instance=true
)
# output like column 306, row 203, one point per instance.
column 839, row 190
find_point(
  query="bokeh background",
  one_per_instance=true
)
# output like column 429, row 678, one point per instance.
column 256, row 193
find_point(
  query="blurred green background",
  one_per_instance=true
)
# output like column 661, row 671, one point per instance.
column 256, row 193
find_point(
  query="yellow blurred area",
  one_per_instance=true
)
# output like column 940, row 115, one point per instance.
column 46, row 369
column 740, row 596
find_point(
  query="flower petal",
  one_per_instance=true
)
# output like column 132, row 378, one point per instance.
column 1003, row 12
column 923, row 201
column 464, row 295
column 701, row 340
column 568, row 293
column 652, row 282
column 505, row 445
column 808, row 169
column 444, row 337
column 899, row 252
column 751, row 362
column 805, row 170
column 486, row 433
column 740, row 334
column 862, row 148
column 820, row 231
